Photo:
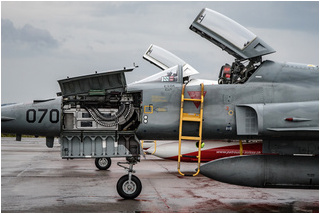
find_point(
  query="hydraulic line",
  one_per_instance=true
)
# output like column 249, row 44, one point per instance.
column 125, row 112
column 121, row 110
column 94, row 117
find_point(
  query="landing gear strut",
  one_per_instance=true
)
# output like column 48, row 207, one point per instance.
column 129, row 186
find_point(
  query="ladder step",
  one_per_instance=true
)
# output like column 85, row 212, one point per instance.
column 189, row 99
column 191, row 117
column 189, row 156
column 190, row 138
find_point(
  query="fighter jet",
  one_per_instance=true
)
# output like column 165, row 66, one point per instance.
column 100, row 116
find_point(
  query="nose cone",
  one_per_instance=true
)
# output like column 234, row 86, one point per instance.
column 238, row 170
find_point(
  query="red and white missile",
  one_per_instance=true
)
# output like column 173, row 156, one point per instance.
column 211, row 150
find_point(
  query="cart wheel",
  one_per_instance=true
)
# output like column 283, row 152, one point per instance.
column 129, row 190
column 103, row 163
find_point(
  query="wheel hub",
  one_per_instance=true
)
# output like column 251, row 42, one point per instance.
column 129, row 187
column 103, row 162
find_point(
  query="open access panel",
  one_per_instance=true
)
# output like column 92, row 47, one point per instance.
column 99, row 119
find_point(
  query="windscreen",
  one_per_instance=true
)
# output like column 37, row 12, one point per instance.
column 168, row 75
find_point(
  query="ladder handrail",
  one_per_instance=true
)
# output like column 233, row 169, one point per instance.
column 200, row 130
column 180, row 128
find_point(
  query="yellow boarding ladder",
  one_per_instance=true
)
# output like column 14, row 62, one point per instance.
column 193, row 118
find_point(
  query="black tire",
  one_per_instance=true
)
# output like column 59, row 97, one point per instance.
column 103, row 163
column 127, row 191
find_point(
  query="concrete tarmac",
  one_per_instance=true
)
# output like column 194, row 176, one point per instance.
column 35, row 179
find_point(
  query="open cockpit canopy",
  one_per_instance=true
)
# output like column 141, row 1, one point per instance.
column 165, row 59
column 229, row 35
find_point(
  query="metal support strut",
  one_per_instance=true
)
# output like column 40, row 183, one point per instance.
column 194, row 117
column 128, row 169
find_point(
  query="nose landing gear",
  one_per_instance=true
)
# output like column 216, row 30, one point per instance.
column 129, row 186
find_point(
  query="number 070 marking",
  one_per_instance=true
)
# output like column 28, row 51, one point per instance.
column 31, row 115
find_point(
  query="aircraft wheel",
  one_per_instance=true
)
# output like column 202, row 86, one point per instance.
column 129, row 190
column 103, row 163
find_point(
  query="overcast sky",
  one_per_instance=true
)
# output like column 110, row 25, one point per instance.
column 42, row 42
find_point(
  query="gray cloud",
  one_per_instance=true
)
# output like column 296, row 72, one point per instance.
column 25, row 40
column 269, row 14
column 291, row 15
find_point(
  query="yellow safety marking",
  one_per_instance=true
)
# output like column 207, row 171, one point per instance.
column 158, row 99
column 161, row 109
column 148, row 109
column 312, row 66
column 241, row 147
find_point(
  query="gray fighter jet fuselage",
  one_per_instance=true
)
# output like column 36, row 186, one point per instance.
column 281, row 100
